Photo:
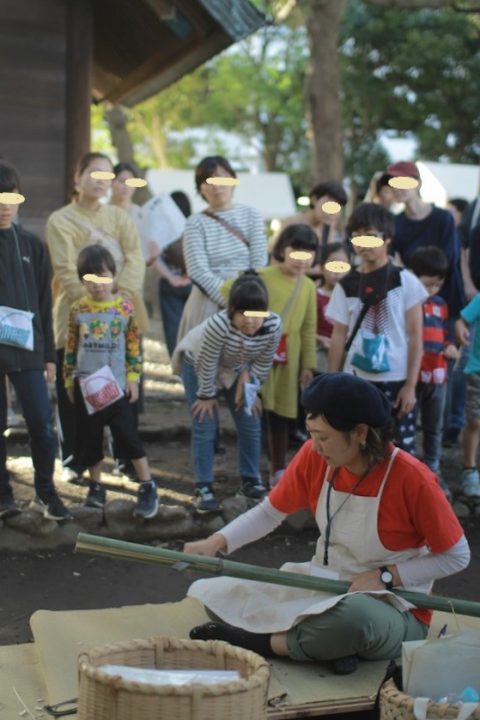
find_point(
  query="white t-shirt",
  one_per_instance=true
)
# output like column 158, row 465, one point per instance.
column 388, row 317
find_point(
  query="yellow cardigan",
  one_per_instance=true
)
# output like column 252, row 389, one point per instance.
column 66, row 236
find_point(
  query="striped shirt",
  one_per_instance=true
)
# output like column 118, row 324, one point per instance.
column 213, row 254
column 434, row 365
column 223, row 351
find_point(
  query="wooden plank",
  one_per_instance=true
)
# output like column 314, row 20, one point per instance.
column 32, row 87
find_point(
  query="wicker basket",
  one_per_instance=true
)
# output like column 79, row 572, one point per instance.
column 103, row 697
column 396, row 705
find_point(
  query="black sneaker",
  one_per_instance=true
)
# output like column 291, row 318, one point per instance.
column 205, row 501
column 96, row 496
column 52, row 509
column 147, row 500
column 253, row 488
column 8, row 508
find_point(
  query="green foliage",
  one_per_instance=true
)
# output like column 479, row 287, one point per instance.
column 412, row 72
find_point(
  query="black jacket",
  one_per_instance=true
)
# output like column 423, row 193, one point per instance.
column 34, row 265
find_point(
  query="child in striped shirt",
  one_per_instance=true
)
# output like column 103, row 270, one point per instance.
column 430, row 265
column 229, row 353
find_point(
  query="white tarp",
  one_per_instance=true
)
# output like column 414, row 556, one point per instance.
column 271, row 193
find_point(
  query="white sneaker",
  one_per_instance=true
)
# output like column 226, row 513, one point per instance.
column 471, row 483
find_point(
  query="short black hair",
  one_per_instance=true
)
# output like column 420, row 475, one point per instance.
column 9, row 179
column 182, row 200
column 207, row 167
column 95, row 259
column 248, row 292
column 331, row 188
column 329, row 249
column 297, row 236
column 458, row 203
column 430, row 261
column 122, row 166
column 371, row 216
column 382, row 181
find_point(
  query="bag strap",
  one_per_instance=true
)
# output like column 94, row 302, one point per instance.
column 356, row 327
column 87, row 226
column 475, row 214
column 231, row 228
column 291, row 299
column 22, row 271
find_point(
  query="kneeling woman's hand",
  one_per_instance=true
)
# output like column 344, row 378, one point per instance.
column 370, row 580
column 213, row 544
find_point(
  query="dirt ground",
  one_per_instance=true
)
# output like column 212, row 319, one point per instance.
column 61, row 580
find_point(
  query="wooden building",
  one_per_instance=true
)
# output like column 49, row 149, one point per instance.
column 57, row 56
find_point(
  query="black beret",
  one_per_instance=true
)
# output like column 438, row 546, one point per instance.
column 346, row 400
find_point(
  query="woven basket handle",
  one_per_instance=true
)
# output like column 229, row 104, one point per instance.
column 420, row 707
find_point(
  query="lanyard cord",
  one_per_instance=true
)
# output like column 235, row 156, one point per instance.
column 328, row 529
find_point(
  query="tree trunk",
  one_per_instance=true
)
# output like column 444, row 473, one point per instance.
column 323, row 84
column 117, row 122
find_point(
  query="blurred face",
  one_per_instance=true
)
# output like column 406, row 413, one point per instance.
column 296, row 262
column 405, row 196
column 90, row 188
column 246, row 324
column 100, row 291
column 386, row 196
column 431, row 283
column 373, row 256
column 218, row 196
column 8, row 213
column 331, row 278
column 337, row 449
column 122, row 193
column 321, row 217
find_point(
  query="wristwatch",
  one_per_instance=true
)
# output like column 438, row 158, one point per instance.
column 386, row 577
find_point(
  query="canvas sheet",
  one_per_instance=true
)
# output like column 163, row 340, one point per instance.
column 48, row 669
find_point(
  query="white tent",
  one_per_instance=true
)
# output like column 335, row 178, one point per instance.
column 441, row 181
column 271, row 193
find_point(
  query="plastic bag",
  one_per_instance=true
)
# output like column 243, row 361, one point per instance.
column 100, row 389
column 16, row 327
column 434, row 668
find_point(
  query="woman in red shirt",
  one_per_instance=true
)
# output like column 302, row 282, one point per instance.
column 384, row 523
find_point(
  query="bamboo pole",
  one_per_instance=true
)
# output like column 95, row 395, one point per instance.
column 97, row 545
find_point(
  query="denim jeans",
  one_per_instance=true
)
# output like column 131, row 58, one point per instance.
column 32, row 394
column 172, row 302
column 204, row 433
column 430, row 404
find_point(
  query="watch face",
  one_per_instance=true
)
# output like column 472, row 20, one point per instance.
column 386, row 577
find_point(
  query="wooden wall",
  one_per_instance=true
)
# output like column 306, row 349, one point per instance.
column 33, row 102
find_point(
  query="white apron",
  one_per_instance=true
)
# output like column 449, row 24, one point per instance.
column 354, row 547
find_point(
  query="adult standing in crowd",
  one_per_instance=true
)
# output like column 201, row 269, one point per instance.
column 324, row 224
column 422, row 224
column 384, row 523
column 122, row 194
column 85, row 221
column 163, row 225
column 419, row 225
column 220, row 242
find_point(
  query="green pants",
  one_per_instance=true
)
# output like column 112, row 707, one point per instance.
column 358, row 625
